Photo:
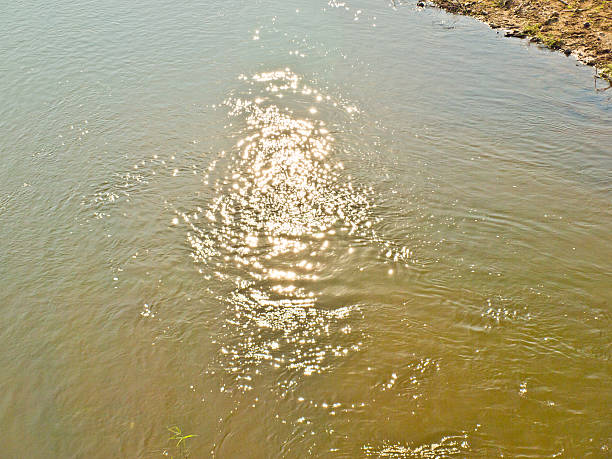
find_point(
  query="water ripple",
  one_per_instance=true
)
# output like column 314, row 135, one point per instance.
column 281, row 199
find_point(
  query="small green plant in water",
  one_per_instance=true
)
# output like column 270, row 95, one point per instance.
column 181, row 442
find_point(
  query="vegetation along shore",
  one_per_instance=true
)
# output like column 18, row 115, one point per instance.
column 582, row 28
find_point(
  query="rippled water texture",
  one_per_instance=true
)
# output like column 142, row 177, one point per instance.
column 352, row 229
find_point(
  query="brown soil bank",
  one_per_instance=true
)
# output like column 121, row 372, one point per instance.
column 579, row 27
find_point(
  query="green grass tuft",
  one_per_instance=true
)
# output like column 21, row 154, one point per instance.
column 550, row 41
column 181, row 441
column 532, row 29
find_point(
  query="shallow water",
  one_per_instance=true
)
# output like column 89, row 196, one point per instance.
column 329, row 229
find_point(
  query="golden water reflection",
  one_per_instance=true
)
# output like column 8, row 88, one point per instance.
column 280, row 197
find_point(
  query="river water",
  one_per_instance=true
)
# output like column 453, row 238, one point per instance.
column 299, row 228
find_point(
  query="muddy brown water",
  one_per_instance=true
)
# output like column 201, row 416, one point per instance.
column 299, row 228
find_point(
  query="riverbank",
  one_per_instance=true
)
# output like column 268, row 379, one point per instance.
column 582, row 28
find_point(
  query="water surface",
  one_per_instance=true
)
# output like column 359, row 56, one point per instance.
column 299, row 228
